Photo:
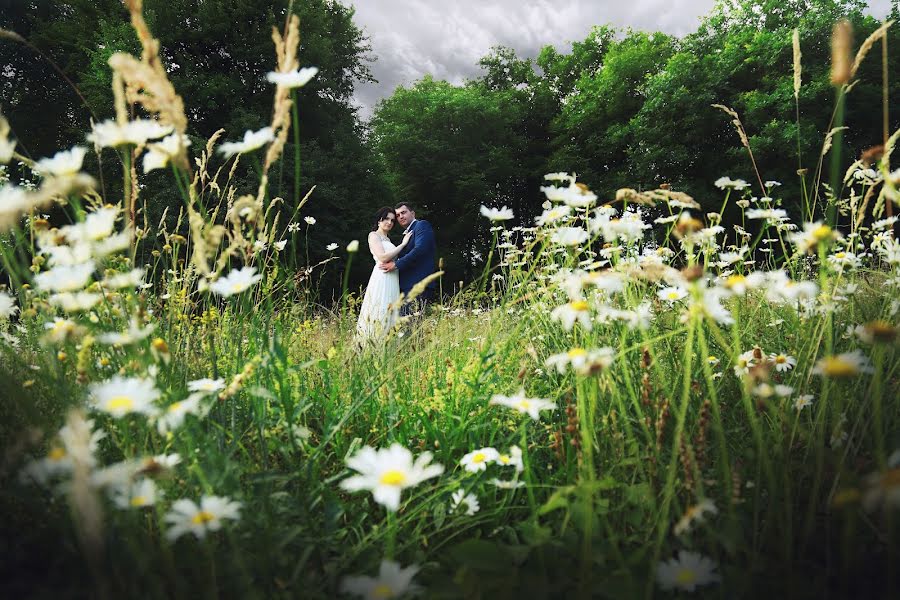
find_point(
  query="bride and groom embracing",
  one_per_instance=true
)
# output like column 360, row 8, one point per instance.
column 397, row 269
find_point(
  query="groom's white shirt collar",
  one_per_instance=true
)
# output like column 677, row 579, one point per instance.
column 408, row 227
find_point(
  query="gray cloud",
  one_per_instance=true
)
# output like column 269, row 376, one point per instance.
column 445, row 38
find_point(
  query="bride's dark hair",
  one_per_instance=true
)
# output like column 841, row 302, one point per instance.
column 382, row 214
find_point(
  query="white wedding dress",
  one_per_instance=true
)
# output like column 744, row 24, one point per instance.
column 377, row 315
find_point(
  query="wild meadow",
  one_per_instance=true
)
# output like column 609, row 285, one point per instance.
column 634, row 399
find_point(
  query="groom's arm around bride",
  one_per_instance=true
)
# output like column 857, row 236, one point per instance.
column 416, row 261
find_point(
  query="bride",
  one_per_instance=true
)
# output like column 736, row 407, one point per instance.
column 377, row 316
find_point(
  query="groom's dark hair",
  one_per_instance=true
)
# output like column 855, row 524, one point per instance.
column 408, row 206
column 381, row 215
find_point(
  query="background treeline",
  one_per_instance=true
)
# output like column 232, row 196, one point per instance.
column 620, row 108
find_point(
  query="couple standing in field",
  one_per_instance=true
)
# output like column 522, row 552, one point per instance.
column 397, row 269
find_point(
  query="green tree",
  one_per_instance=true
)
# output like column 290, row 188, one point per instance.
column 593, row 129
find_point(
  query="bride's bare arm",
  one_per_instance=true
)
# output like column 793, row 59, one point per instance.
column 378, row 251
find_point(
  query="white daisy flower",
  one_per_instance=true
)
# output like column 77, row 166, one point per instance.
column 553, row 214
column 513, row 459
column 159, row 154
column 459, row 497
column 135, row 333
column 507, row 485
column 583, row 362
column 121, row 396
column 172, row 417
column 496, row 214
column 64, row 164
column 783, row 362
column 392, row 582
column 75, row 302
column 672, row 294
column 568, row 313
column 687, row 572
column 131, row 279
column 8, row 306
column 206, row 385
column 848, row 364
column 803, row 401
column 310, row 220
column 237, row 281
column 252, row 141
column 386, row 472
column 68, row 278
column 292, row 79
column 726, row 182
column 187, row 517
column 531, row 406
column 138, row 494
column 477, row 460
column 109, row 134
column 569, row 236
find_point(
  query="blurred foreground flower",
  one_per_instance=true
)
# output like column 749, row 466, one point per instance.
column 252, row 141
column 848, row 364
column 695, row 514
column 519, row 402
column 121, row 396
column 110, row 134
column 292, row 79
column 686, row 572
column 386, row 472
column 496, row 214
column 8, row 306
column 237, row 281
column 392, row 582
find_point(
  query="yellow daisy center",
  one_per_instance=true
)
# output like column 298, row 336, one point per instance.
column 735, row 280
column 579, row 305
column 822, row 232
column 175, row 406
column 673, row 295
column 840, row 255
column 478, row 458
column 141, row 501
column 124, row 403
column 834, row 366
column 56, row 454
column 237, row 287
column 392, row 477
column 576, row 352
column 780, row 359
column 383, row 590
column 686, row 577
column 524, row 404
column 203, row 517
column 504, row 459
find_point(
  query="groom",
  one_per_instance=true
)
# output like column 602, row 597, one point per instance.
column 416, row 261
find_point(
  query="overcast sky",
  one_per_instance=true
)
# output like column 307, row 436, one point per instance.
column 412, row 38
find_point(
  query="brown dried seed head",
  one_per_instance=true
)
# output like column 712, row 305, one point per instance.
column 841, row 44
column 881, row 331
column 872, row 155
column 692, row 273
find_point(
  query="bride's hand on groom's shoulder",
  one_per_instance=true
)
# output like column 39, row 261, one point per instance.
column 406, row 237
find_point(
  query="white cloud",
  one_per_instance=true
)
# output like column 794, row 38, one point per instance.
column 412, row 38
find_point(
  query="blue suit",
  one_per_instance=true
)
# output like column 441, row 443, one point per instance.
column 416, row 260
